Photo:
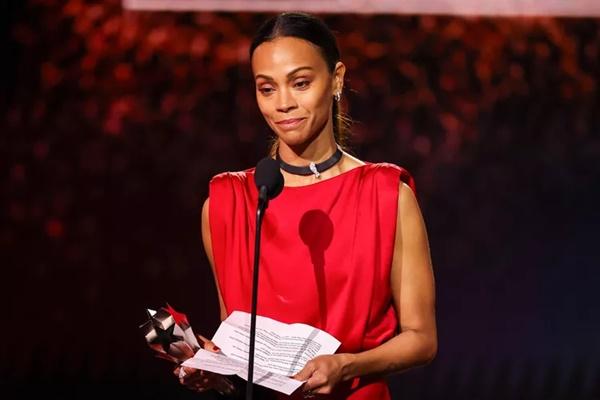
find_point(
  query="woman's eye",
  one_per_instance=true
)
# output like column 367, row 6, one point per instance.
column 265, row 90
column 301, row 84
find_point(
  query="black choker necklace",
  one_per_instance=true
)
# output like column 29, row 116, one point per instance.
column 312, row 168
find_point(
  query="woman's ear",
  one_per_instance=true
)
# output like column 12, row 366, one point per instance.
column 338, row 77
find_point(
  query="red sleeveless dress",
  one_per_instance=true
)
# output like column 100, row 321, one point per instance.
column 326, row 255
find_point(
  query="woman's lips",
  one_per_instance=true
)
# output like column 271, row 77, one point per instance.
column 291, row 123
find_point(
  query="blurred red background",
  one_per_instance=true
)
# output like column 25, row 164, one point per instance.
column 113, row 123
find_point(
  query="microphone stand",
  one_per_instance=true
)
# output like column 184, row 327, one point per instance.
column 263, row 202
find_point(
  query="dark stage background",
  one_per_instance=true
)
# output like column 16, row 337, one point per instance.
column 112, row 124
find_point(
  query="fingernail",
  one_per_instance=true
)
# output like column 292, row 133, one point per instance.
column 217, row 348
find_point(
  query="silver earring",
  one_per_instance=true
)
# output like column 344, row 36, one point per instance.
column 337, row 96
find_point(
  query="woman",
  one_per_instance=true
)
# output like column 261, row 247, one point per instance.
column 344, row 246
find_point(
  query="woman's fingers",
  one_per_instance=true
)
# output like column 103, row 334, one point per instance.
column 181, row 350
column 206, row 380
column 202, row 338
column 208, row 344
column 188, row 371
column 305, row 372
column 321, row 374
column 203, row 381
column 199, row 380
column 180, row 371
column 315, row 384
column 225, row 386
column 195, row 376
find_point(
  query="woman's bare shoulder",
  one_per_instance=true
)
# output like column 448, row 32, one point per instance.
column 350, row 162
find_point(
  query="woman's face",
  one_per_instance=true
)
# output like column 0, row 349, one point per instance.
column 294, row 89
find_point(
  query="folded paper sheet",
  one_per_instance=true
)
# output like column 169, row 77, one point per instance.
column 281, row 350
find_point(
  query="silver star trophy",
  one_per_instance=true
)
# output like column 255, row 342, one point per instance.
column 169, row 334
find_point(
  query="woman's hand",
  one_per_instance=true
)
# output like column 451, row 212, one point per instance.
column 323, row 373
column 199, row 380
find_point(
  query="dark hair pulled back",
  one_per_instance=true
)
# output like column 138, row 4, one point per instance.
column 312, row 29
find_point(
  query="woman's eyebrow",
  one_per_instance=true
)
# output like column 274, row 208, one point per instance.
column 292, row 72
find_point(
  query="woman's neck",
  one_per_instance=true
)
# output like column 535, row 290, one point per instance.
column 317, row 151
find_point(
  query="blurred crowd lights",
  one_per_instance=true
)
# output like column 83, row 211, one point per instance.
column 574, row 8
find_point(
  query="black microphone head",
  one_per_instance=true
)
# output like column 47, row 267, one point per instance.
column 267, row 174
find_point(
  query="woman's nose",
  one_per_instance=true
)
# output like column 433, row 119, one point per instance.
column 285, row 101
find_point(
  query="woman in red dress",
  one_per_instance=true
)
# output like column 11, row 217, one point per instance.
column 344, row 246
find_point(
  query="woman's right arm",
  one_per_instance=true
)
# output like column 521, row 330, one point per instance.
column 206, row 240
column 199, row 380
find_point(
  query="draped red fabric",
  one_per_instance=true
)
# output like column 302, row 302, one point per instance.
column 326, row 255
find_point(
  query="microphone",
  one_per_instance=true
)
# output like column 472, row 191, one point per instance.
column 269, row 182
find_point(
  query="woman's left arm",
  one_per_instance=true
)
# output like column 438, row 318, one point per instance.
column 413, row 292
